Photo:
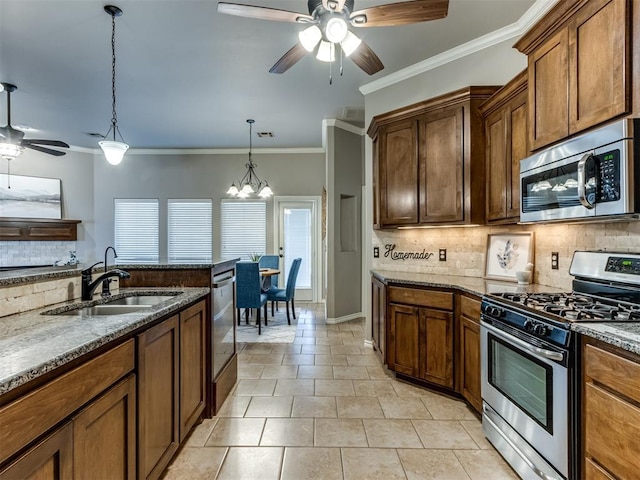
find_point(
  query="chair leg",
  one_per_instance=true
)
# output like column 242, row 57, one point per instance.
column 293, row 309
column 239, row 316
column 259, row 322
column 246, row 315
column 272, row 314
column 265, row 314
column 288, row 319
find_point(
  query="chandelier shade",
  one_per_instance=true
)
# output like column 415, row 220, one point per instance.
column 250, row 183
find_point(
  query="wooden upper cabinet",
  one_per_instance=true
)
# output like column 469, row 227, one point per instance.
column 398, row 173
column 505, row 123
column 579, row 64
column 429, row 161
column 440, row 142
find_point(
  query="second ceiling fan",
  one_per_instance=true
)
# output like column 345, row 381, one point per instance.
column 329, row 22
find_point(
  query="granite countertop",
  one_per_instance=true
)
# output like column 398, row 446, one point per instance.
column 33, row 343
column 625, row 335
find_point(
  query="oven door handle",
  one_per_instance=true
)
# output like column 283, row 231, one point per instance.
column 542, row 352
column 487, row 416
column 582, row 181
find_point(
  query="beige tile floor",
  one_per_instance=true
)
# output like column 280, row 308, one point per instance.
column 324, row 408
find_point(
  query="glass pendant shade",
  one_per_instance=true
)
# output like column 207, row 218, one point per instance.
column 350, row 43
column 326, row 52
column 113, row 151
column 336, row 29
column 266, row 191
column 10, row 151
column 233, row 190
column 242, row 194
column 247, row 188
column 309, row 37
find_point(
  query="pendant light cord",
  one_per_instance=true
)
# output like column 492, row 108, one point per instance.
column 114, row 118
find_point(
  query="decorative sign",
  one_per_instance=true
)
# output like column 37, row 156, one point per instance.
column 390, row 252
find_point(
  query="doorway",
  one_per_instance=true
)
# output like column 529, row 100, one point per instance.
column 297, row 227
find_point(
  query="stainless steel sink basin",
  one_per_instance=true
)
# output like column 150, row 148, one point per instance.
column 106, row 309
column 139, row 300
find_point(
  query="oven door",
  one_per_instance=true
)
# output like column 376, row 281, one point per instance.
column 525, row 387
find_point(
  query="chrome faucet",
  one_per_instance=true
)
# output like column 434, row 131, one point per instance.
column 89, row 286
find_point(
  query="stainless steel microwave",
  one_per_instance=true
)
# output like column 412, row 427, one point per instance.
column 595, row 175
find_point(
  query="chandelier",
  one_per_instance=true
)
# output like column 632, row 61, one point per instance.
column 250, row 183
column 113, row 150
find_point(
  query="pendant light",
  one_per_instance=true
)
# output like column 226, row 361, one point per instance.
column 114, row 150
column 250, row 183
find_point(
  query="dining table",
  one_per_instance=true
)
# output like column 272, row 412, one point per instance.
column 265, row 276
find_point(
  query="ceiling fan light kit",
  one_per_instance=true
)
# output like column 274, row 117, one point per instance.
column 114, row 150
column 330, row 20
column 250, row 183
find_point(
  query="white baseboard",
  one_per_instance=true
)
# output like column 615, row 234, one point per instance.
column 368, row 344
column 346, row 318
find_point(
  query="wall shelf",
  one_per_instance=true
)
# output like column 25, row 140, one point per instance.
column 38, row 229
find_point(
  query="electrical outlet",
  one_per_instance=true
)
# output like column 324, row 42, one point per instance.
column 376, row 252
column 442, row 255
column 554, row 260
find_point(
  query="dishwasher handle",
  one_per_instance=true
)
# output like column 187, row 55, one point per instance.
column 223, row 282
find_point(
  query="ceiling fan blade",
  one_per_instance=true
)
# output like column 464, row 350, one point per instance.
column 403, row 13
column 366, row 59
column 3, row 132
column 289, row 59
column 333, row 5
column 53, row 143
column 49, row 151
column 263, row 13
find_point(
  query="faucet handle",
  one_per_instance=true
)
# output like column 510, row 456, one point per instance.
column 87, row 271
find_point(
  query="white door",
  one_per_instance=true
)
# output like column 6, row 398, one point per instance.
column 297, row 231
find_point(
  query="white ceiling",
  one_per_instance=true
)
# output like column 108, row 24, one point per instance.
column 188, row 77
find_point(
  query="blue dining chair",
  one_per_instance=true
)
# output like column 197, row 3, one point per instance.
column 286, row 294
column 271, row 261
column 248, row 291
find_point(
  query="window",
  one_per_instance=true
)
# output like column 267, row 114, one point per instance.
column 136, row 230
column 244, row 228
column 189, row 231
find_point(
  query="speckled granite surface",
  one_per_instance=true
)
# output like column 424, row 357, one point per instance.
column 33, row 344
column 31, row 275
column 623, row 335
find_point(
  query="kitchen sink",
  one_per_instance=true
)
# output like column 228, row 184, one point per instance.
column 139, row 300
column 105, row 309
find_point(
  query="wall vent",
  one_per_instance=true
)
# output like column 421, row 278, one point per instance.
column 265, row 134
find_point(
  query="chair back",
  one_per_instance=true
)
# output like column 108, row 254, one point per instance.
column 271, row 261
column 248, row 285
column 293, row 275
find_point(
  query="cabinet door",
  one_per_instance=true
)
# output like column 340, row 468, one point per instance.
column 517, row 149
column 157, row 397
column 436, row 347
column 549, row 91
column 51, row 459
column 441, row 167
column 398, row 175
column 497, row 173
column 378, row 312
column 375, row 186
column 599, row 53
column 104, row 435
column 404, row 339
column 192, row 366
column 470, row 361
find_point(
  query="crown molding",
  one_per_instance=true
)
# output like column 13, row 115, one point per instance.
column 207, row 151
column 334, row 122
column 528, row 19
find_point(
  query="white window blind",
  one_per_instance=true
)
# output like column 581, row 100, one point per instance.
column 243, row 228
column 136, row 230
column 189, row 231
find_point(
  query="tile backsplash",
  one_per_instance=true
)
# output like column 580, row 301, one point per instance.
column 29, row 253
column 466, row 247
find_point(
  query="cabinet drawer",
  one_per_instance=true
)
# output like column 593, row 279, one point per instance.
column 470, row 308
column 611, row 432
column 33, row 414
column 594, row 472
column 421, row 298
column 615, row 372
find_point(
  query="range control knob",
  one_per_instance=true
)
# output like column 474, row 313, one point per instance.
column 541, row 330
column 528, row 325
column 495, row 312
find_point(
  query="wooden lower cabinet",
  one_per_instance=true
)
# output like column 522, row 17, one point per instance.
column 104, row 435
column 50, row 459
column 436, row 347
column 610, row 412
column 469, row 351
column 404, row 339
column 158, row 397
column 378, row 318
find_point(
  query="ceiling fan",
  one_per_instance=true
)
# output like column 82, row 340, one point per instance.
column 329, row 22
column 12, row 140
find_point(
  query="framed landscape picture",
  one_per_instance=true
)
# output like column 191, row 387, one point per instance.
column 30, row 197
column 508, row 253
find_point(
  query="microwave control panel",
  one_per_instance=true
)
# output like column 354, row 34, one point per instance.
column 609, row 173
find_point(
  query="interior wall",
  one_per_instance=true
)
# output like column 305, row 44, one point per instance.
column 344, row 207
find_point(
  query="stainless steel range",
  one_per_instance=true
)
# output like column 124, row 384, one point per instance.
column 530, row 364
